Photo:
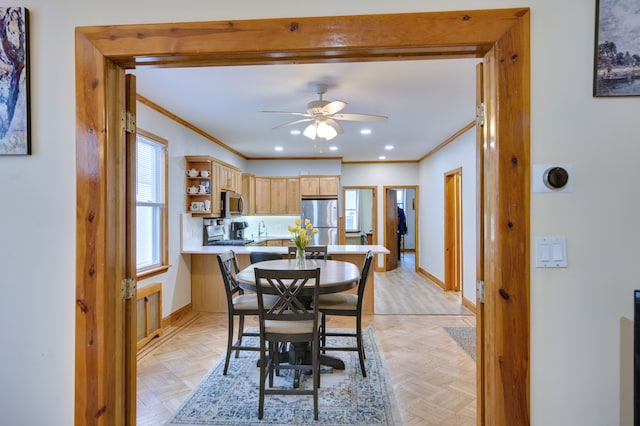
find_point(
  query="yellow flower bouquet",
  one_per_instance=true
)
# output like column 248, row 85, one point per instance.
column 301, row 236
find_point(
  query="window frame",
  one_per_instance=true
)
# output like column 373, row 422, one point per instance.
column 356, row 209
column 163, row 265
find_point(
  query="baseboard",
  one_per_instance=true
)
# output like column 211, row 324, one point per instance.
column 469, row 305
column 431, row 277
column 176, row 316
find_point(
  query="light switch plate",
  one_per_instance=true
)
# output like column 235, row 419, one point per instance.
column 551, row 252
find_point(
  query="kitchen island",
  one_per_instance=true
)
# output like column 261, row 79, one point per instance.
column 207, row 288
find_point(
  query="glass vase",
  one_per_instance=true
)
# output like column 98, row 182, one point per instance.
column 301, row 261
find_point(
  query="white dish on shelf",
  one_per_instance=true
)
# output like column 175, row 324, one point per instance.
column 204, row 173
column 192, row 173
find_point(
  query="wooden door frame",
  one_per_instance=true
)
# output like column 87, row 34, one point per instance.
column 391, row 247
column 416, row 209
column 374, row 214
column 102, row 53
column 453, row 231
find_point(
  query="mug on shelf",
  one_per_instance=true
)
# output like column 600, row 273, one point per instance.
column 207, row 205
column 192, row 190
column 204, row 173
column 203, row 189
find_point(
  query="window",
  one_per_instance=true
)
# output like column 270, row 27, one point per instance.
column 351, row 209
column 151, row 204
column 400, row 195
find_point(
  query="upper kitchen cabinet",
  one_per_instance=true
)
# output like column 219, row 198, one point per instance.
column 293, row 196
column 249, row 193
column 263, row 195
column 319, row 186
column 230, row 178
column 201, row 181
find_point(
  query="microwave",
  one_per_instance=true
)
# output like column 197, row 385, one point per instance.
column 232, row 204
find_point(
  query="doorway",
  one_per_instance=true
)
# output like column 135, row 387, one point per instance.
column 103, row 54
column 453, row 231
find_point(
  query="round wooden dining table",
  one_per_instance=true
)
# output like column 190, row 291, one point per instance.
column 335, row 276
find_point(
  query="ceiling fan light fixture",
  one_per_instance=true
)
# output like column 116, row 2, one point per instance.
column 310, row 131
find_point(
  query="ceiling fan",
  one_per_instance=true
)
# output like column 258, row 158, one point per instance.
column 324, row 115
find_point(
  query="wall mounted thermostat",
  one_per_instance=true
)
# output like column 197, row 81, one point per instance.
column 552, row 178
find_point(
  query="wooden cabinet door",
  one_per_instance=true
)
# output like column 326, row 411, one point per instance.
column 293, row 196
column 328, row 185
column 263, row 195
column 309, row 186
column 278, row 196
column 249, row 193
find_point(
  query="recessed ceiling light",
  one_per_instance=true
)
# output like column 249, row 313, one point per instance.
column 388, row 147
column 295, row 132
column 382, row 157
column 365, row 131
column 278, row 148
column 333, row 148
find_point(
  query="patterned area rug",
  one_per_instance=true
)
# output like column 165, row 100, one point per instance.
column 345, row 397
column 465, row 337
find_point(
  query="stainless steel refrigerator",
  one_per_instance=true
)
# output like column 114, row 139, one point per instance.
column 323, row 215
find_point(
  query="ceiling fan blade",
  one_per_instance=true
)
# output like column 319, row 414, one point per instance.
column 333, row 107
column 291, row 123
column 303, row 114
column 359, row 117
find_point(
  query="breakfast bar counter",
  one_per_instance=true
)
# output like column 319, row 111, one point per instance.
column 207, row 288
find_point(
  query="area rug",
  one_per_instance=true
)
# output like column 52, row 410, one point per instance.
column 344, row 397
column 465, row 337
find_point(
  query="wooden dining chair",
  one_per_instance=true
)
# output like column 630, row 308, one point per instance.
column 238, row 304
column 290, row 320
column 261, row 256
column 310, row 252
column 347, row 305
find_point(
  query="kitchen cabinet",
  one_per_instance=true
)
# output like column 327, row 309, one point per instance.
column 263, row 195
column 230, row 178
column 278, row 196
column 201, row 184
column 319, row 186
column 293, row 196
column 249, row 193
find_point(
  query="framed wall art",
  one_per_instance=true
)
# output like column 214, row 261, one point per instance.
column 15, row 138
column 617, row 48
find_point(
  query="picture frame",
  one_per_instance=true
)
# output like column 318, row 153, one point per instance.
column 15, row 131
column 617, row 48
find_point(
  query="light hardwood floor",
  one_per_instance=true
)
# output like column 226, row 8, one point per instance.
column 432, row 377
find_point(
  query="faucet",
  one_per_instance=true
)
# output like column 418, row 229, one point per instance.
column 262, row 228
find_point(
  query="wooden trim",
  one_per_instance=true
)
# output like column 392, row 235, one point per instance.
column 450, row 139
column 102, row 54
column 432, row 277
column 177, row 316
column 468, row 304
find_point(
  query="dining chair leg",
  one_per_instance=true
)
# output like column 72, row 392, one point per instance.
column 263, row 378
column 240, row 332
column 360, row 345
column 323, row 330
column 229, row 344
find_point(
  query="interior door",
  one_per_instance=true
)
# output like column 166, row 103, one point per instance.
column 391, row 229
column 452, row 230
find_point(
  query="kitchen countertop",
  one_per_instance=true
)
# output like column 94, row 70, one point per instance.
column 332, row 249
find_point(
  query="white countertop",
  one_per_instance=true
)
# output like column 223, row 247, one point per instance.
column 332, row 249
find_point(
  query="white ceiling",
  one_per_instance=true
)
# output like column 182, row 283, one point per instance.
column 426, row 101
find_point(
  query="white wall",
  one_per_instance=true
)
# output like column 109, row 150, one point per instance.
column 581, row 366
column 460, row 153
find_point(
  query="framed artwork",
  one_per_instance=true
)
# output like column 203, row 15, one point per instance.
column 617, row 48
column 14, row 81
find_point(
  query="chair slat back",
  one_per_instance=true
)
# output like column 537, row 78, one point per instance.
column 228, row 269
column 364, row 274
column 288, row 285
column 311, row 252
column 260, row 256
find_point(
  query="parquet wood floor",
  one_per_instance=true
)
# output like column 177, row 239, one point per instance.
column 432, row 377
